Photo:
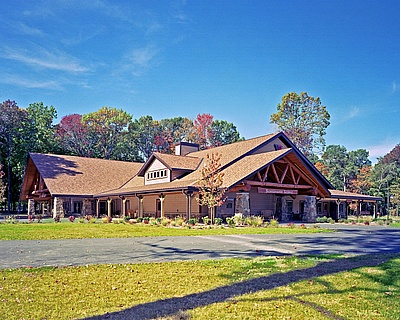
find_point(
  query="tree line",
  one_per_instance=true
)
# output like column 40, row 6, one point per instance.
column 304, row 119
column 112, row 133
column 108, row 133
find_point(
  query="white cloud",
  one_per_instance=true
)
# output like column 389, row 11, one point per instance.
column 353, row 112
column 395, row 87
column 24, row 29
column 45, row 59
column 380, row 150
column 140, row 60
column 30, row 84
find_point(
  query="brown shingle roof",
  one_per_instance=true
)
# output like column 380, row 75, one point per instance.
column 339, row 194
column 178, row 162
column 231, row 152
column 70, row 175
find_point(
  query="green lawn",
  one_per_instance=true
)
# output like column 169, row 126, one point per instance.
column 75, row 230
column 321, row 287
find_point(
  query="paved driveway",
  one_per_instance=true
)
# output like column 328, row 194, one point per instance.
column 348, row 239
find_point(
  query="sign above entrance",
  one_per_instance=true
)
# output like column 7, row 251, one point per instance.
column 277, row 191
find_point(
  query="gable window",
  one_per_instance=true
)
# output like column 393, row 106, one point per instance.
column 157, row 174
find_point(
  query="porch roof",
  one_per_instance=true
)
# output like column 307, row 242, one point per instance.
column 343, row 195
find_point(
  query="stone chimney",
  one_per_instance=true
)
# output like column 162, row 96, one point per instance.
column 183, row 148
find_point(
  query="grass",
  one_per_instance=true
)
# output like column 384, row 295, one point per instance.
column 75, row 230
column 313, row 287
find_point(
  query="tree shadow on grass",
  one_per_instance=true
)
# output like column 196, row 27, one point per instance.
column 173, row 306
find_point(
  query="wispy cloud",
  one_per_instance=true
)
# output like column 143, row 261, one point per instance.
column 395, row 87
column 30, row 84
column 380, row 150
column 139, row 60
column 26, row 30
column 45, row 59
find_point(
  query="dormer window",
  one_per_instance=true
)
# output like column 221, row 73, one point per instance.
column 157, row 174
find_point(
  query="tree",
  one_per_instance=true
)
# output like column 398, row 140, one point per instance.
column 41, row 117
column 73, row 136
column 203, row 128
column 342, row 168
column 143, row 133
column 2, row 186
column 14, row 130
column 304, row 120
column 223, row 132
column 211, row 192
column 106, row 130
column 362, row 182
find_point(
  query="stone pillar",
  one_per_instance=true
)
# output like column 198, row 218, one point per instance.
column 189, row 195
column 31, row 207
column 310, row 209
column 140, row 199
column 58, row 209
column 242, row 203
column 86, row 207
column 286, row 216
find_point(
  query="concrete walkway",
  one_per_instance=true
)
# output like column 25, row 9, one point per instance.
column 348, row 239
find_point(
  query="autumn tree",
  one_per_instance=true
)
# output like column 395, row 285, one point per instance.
column 73, row 136
column 203, row 127
column 304, row 120
column 341, row 167
column 106, row 130
column 211, row 191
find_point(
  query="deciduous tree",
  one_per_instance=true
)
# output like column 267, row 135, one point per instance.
column 304, row 120
column 106, row 128
column 211, row 192
column 223, row 132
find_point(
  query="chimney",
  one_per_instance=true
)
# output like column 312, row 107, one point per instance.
column 183, row 148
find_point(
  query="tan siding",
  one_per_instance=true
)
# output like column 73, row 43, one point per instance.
column 271, row 146
column 156, row 166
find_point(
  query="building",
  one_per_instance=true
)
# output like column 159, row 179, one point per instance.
column 265, row 176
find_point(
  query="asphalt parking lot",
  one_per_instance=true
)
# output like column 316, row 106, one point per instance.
column 347, row 239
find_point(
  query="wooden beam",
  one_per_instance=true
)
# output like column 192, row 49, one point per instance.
column 265, row 174
column 284, row 173
column 259, row 176
column 274, row 172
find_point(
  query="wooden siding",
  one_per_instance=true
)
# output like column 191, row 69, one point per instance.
column 271, row 146
column 157, row 165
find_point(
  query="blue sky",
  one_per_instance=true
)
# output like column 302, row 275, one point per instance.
column 232, row 59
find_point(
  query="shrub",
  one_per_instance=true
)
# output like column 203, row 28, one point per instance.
column 206, row 220
column 179, row 221
column 106, row 219
column 230, row 221
column 71, row 218
column 254, row 221
column 218, row 221
column 81, row 219
column 303, row 226
column 274, row 223
column 165, row 222
column 146, row 220
column 57, row 218
column 238, row 219
column 192, row 221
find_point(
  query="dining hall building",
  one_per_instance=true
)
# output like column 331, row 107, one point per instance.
column 265, row 176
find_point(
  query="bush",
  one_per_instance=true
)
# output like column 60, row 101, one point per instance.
column 192, row 221
column 230, row 221
column 206, row 220
column 274, row 223
column 238, row 218
column 71, row 218
column 218, row 221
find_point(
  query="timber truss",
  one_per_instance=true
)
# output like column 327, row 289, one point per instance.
column 284, row 176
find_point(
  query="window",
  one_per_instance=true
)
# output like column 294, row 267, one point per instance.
column 157, row 174
column 289, row 205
